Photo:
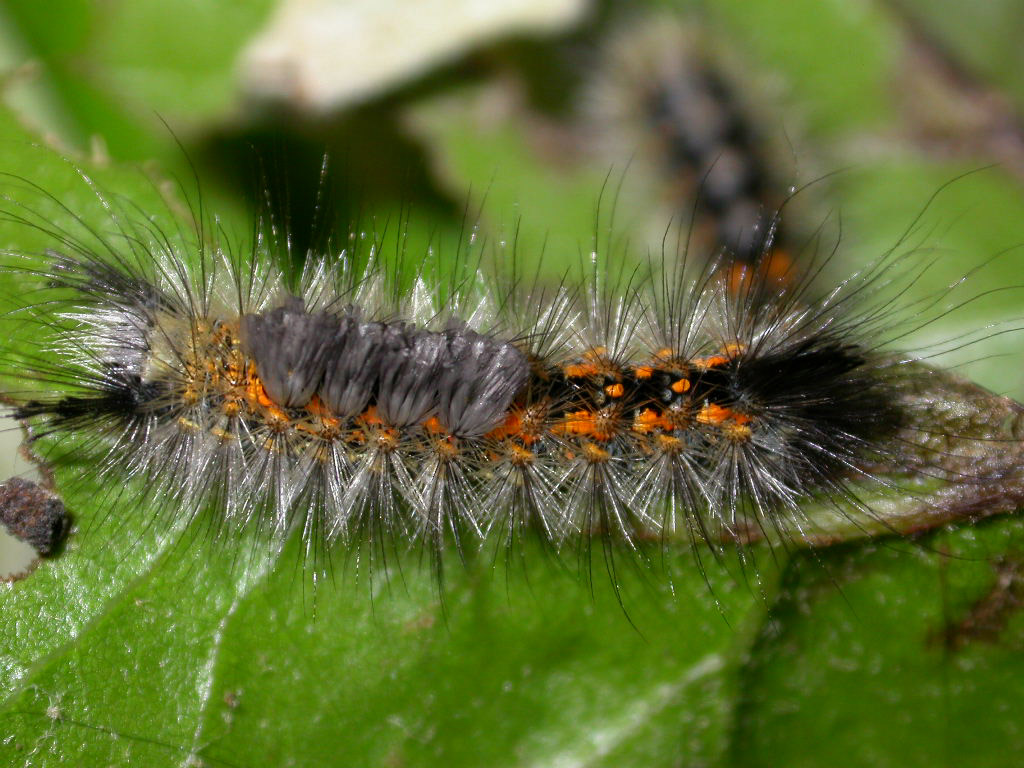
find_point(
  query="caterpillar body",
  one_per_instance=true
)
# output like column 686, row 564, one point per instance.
column 353, row 404
column 663, row 85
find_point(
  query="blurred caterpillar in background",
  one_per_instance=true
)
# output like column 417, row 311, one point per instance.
column 662, row 85
column 363, row 407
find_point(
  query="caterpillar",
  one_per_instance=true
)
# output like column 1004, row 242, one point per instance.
column 359, row 406
column 662, row 85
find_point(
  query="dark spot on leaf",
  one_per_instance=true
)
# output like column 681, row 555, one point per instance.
column 33, row 514
column 988, row 616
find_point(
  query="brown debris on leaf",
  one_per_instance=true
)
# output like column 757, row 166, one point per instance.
column 33, row 514
column 990, row 614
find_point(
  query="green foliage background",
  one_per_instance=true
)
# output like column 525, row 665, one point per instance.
column 150, row 647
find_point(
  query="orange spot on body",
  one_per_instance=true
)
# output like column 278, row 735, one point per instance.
column 773, row 269
column 370, row 417
column 734, row 349
column 595, row 363
column 223, row 435
column 615, row 390
column 580, row 370
column 680, row 386
column 188, row 424
column 713, row 361
column 272, row 412
column 519, row 455
column 646, row 421
column 316, row 407
column 643, row 371
column 595, row 454
column 263, row 398
column 521, row 425
column 385, row 438
column 737, row 433
column 534, row 421
column 277, row 417
column 734, row 425
column 712, row 414
column 507, row 428
column 670, row 444
column 257, row 395
column 446, row 449
column 433, row 426
column 577, row 423
column 598, row 425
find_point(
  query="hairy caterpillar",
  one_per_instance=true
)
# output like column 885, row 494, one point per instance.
column 663, row 85
column 356, row 405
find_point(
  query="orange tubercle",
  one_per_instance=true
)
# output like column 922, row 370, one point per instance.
column 649, row 420
column 714, row 361
column 577, row 423
column 733, row 349
column 615, row 390
column 519, row 455
column 737, row 433
column 598, row 426
column 595, row 454
column 508, row 428
column 370, row 417
column 433, row 426
column 670, row 444
column 580, row 370
column 718, row 415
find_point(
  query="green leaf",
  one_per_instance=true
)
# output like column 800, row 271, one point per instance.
column 893, row 654
column 115, row 70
